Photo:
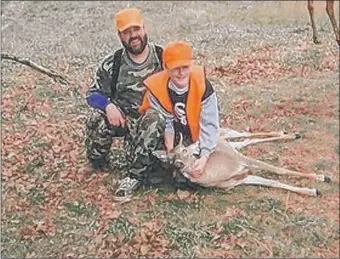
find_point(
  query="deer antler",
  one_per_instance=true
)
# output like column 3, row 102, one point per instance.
column 180, row 139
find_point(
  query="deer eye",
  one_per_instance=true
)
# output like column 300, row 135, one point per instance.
column 184, row 151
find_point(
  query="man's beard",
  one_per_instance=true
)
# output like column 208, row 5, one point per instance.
column 139, row 50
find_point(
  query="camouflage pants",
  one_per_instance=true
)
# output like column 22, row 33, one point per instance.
column 141, row 137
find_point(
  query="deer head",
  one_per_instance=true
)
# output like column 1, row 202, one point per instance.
column 180, row 157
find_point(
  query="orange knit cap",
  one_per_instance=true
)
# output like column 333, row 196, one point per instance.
column 177, row 54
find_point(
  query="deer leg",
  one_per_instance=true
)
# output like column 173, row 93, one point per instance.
column 330, row 12
column 241, row 144
column 257, row 164
column 230, row 134
column 229, row 184
column 257, row 180
column 310, row 7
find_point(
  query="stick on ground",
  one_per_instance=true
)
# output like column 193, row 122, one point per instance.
column 49, row 72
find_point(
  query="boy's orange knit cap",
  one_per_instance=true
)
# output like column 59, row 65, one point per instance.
column 128, row 17
column 177, row 54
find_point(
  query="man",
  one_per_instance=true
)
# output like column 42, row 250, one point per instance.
column 188, row 101
column 115, row 96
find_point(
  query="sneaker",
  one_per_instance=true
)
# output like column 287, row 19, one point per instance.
column 126, row 188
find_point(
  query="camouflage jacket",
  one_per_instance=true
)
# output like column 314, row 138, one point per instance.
column 128, row 92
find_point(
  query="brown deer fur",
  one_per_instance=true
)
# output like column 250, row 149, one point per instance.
column 227, row 167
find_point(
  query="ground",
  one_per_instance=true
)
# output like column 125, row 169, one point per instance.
column 268, row 75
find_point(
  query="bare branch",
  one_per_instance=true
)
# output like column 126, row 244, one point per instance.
column 49, row 72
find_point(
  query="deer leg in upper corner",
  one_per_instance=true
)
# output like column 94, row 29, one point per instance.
column 241, row 144
column 257, row 180
column 310, row 7
column 330, row 12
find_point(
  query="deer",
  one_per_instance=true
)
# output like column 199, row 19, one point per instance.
column 330, row 12
column 227, row 167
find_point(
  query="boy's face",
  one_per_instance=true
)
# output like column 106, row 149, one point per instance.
column 180, row 76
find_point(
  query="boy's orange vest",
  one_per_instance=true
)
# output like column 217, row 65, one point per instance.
column 157, row 84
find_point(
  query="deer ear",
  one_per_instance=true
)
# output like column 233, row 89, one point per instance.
column 161, row 155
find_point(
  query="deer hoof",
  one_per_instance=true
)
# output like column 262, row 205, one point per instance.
column 297, row 136
column 317, row 191
column 327, row 179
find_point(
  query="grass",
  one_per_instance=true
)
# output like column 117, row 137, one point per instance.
column 122, row 227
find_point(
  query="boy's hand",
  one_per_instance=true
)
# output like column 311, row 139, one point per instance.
column 198, row 168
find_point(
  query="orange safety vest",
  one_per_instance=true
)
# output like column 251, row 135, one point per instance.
column 157, row 84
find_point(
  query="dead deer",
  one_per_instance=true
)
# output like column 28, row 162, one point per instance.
column 330, row 12
column 228, row 168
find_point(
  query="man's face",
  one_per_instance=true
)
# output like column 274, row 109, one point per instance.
column 180, row 76
column 134, row 39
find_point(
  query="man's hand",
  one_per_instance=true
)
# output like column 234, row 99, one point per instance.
column 114, row 116
column 199, row 167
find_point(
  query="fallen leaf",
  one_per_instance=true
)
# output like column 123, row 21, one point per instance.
column 144, row 249
column 182, row 195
